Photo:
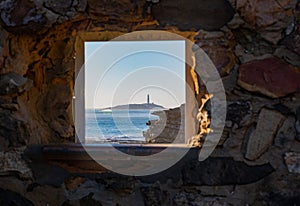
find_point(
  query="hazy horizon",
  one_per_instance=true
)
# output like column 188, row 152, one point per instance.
column 132, row 103
column 145, row 102
column 153, row 67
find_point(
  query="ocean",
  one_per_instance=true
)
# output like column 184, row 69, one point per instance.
column 116, row 125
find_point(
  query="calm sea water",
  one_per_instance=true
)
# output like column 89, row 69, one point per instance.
column 117, row 125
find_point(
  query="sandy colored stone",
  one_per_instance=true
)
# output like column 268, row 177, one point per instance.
column 262, row 138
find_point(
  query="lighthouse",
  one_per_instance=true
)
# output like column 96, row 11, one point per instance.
column 148, row 99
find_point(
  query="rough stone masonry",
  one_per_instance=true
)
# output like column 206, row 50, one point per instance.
column 254, row 44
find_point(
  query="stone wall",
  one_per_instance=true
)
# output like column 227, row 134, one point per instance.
column 253, row 43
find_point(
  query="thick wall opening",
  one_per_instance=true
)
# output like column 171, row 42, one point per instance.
column 37, row 67
column 187, row 83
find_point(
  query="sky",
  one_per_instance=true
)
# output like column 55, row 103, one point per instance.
column 124, row 72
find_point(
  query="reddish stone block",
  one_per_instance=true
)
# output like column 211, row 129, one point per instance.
column 271, row 77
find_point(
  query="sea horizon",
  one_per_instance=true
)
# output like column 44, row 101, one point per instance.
column 108, row 107
column 118, row 125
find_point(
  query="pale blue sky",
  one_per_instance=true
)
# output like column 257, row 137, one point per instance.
column 125, row 72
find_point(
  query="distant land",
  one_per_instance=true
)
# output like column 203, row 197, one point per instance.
column 143, row 106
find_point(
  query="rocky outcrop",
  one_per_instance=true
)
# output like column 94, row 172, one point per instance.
column 168, row 127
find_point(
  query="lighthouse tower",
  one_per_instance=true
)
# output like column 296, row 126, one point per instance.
column 148, row 99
